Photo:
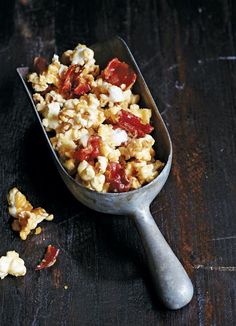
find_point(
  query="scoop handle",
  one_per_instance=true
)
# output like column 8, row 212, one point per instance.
column 171, row 281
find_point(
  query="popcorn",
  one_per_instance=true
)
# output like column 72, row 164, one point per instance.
column 17, row 203
column 49, row 77
column 88, row 175
column 101, row 132
column 86, row 171
column 70, row 165
column 12, row 264
column 80, row 55
column 101, row 164
column 84, row 112
column 142, row 172
column 140, row 148
column 112, row 137
column 144, row 114
column 51, row 122
column 115, row 94
column 97, row 183
column 111, row 154
column 26, row 218
column 39, row 83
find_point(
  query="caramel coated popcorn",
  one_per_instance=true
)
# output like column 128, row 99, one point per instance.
column 26, row 218
column 96, row 124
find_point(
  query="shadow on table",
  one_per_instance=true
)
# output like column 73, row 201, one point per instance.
column 110, row 241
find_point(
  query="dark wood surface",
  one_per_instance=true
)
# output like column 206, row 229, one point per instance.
column 187, row 53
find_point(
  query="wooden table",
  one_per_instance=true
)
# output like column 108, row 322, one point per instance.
column 187, row 53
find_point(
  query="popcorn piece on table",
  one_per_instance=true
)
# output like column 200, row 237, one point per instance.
column 17, row 202
column 26, row 218
column 12, row 264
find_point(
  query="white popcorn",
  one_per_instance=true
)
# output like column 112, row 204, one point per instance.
column 81, row 55
column 119, row 136
column 101, row 164
column 110, row 153
column 140, row 148
column 145, row 172
column 86, row 171
column 116, row 94
column 97, row 183
column 112, row 137
column 51, row 119
column 65, row 143
column 83, row 137
column 12, row 264
column 17, row 202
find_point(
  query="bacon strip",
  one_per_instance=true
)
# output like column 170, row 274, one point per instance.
column 49, row 258
column 73, row 84
column 132, row 124
column 89, row 153
column 118, row 73
column 116, row 177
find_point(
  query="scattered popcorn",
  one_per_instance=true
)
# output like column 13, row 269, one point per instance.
column 26, row 217
column 17, row 202
column 12, row 264
column 38, row 230
column 99, row 129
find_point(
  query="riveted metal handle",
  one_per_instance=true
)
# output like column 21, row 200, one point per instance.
column 171, row 280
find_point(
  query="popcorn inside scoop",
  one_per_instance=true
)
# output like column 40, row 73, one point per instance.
column 26, row 218
column 98, row 128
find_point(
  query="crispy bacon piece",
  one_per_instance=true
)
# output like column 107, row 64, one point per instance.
column 118, row 73
column 40, row 65
column 90, row 152
column 116, row 177
column 132, row 124
column 49, row 258
column 73, row 84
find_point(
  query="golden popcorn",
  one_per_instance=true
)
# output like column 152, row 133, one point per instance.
column 26, row 218
column 96, row 125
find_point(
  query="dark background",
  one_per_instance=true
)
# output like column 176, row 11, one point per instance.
column 186, row 52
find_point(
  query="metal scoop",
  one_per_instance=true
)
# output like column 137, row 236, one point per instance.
column 172, row 283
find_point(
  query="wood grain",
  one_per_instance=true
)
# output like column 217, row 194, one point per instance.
column 187, row 53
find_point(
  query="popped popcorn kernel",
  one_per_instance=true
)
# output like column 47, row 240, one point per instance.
column 17, row 202
column 26, row 218
column 12, row 264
